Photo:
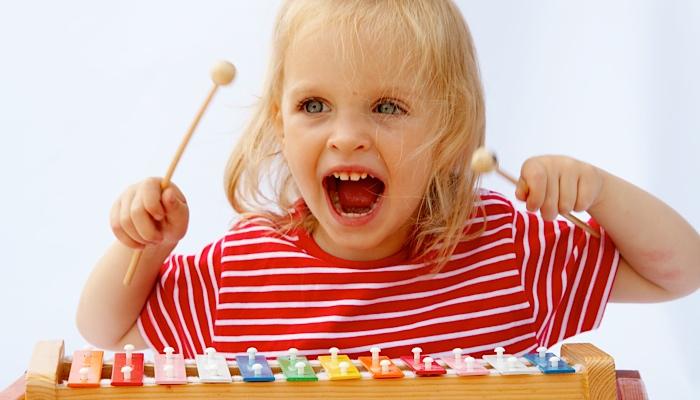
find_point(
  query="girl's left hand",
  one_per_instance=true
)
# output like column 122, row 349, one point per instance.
column 558, row 184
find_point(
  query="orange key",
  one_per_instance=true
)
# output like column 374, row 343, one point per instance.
column 382, row 369
column 86, row 369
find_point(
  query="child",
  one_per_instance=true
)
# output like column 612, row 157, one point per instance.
column 374, row 232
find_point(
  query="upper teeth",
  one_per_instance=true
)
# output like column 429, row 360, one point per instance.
column 353, row 176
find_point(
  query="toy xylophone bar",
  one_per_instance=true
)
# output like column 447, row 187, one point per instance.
column 49, row 369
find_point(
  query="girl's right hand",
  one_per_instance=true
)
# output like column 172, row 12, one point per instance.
column 145, row 215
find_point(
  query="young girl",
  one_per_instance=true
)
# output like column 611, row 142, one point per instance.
column 373, row 231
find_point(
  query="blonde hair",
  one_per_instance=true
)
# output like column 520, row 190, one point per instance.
column 434, row 38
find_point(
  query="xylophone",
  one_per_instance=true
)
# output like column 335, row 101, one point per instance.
column 583, row 372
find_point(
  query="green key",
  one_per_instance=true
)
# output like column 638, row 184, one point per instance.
column 297, row 369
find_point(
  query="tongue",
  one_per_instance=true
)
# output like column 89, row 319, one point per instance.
column 358, row 194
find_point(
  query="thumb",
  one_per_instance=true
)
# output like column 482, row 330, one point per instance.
column 521, row 190
column 174, row 201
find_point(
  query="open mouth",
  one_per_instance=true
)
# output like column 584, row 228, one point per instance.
column 353, row 194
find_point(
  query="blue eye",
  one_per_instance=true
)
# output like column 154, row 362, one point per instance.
column 389, row 107
column 313, row 106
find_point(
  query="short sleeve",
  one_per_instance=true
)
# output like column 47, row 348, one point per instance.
column 566, row 272
column 181, row 308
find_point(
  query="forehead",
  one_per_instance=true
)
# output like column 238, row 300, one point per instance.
column 359, row 59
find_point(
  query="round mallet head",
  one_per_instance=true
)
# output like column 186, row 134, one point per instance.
column 483, row 161
column 223, row 73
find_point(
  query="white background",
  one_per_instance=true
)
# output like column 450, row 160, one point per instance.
column 96, row 95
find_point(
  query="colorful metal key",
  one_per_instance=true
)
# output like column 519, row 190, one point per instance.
column 546, row 362
column 170, row 368
column 296, row 368
column 465, row 366
column 212, row 367
column 86, row 368
column 425, row 366
column 254, row 367
column 381, row 367
column 128, row 368
column 507, row 364
column 339, row 366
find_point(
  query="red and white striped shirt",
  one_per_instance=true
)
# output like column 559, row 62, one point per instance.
column 522, row 283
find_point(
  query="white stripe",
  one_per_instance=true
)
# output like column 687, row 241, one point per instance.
column 205, row 292
column 364, row 285
column 250, row 228
column 410, row 296
column 169, row 322
column 316, row 270
column 488, row 202
column 497, row 229
column 254, row 228
column 336, row 335
column 341, row 270
column 351, row 334
column 176, row 300
column 490, row 232
column 265, row 256
column 193, row 309
column 552, row 257
column 492, row 217
column 367, row 317
column 564, row 278
column 256, row 240
column 526, row 247
column 591, row 285
column 481, row 248
column 608, row 286
column 535, row 284
column 144, row 334
column 213, row 278
column 164, row 277
column 574, row 289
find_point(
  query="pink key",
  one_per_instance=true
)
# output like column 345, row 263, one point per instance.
column 170, row 368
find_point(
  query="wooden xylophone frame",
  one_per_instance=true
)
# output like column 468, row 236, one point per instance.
column 48, row 369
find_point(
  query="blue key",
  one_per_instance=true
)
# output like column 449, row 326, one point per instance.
column 254, row 368
column 548, row 362
column 557, row 366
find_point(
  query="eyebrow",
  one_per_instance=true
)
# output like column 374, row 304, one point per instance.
column 304, row 87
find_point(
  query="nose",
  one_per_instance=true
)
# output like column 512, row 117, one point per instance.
column 350, row 133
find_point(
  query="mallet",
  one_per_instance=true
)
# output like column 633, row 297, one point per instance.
column 484, row 161
column 222, row 74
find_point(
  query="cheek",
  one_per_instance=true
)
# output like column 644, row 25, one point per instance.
column 301, row 162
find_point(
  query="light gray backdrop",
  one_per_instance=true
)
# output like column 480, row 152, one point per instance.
column 96, row 95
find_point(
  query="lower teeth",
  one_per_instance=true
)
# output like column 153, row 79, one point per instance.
column 336, row 203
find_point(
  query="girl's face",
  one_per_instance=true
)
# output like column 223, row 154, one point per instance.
column 351, row 136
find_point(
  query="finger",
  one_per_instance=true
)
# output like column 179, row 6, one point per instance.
column 151, row 197
column 568, row 189
column 175, row 204
column 126, row 240
column 535, row 177
column 550, row 206
column 117, row 228
column 521, row 190
column 125, row 220
column 144, row 224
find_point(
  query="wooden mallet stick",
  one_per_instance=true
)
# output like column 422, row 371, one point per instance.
column 221, row 74
column 484, row 161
